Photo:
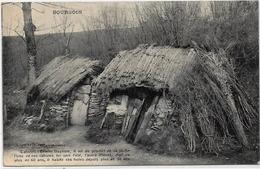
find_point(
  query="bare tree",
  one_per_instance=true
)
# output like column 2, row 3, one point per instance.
column 64, row 26
column 107, row 32
column 29, row 29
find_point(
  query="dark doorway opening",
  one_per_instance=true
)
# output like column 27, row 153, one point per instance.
column 141, row 93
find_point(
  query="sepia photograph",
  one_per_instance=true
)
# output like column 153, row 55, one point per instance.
column 130, row 83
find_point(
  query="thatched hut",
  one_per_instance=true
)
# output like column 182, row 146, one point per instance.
column 61, row 92
column 160, row 95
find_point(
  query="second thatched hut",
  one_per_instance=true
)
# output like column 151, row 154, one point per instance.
column 172, row 97
column 60, row 95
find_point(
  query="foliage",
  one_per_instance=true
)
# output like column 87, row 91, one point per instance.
column 101, row 136
column 228, row 25
column 211, row 102
column 231, row 25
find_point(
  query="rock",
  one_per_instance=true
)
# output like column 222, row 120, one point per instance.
column 85, row 89
column 161, row 115
column 42, row 126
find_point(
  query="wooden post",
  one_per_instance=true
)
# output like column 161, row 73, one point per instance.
column 67, row 120
column 127, row 127
column 103, row 121
column 5, row 114
column 42, row 109
column 124, row 101
column 237, row 122
column 126, row 119
column 147, row 118
column 29, row 29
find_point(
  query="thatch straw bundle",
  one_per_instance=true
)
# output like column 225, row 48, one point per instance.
column 59, row 76
column 211, row 97
column 156, row 68
column 202, row 86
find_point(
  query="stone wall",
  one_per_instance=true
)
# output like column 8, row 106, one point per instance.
column 97, row 105
column 55, row 116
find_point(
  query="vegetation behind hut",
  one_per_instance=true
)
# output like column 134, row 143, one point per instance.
column 232, row 25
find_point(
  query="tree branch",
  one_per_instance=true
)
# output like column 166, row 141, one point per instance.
column 42, row 12
column 6, row 3
column 43, row 38
column 18, row 34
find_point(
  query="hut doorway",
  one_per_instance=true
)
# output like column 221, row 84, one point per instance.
column 80, row 106
column 138, row 101
column 139, row 118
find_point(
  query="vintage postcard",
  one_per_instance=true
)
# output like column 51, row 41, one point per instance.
column 130, row 83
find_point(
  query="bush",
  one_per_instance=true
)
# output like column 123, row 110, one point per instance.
column 101, row 136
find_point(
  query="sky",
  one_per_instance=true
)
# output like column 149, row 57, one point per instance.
column 45, row 20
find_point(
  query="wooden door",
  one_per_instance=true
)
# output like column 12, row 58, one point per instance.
column 132, row 117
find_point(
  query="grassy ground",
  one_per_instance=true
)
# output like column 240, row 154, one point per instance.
column 73, row 138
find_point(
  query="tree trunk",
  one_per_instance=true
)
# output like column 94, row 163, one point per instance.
column 29, row 29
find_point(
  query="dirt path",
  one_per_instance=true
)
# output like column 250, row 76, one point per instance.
column 73, row 138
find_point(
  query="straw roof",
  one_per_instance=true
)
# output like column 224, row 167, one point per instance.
column 202, row 86
column 59, row 76
column 154, row 67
